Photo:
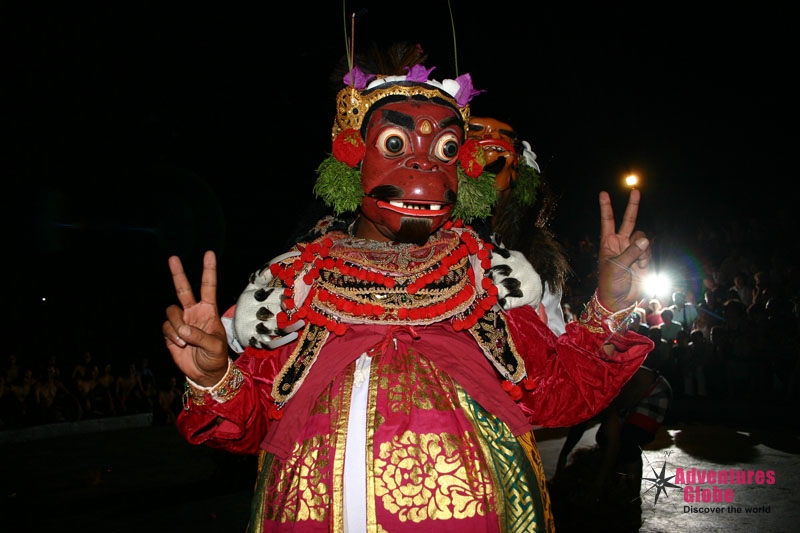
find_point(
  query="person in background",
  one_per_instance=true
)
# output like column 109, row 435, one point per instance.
column 603, row 483
column 82, row 366
column 53, row 401
column 104, row 392
column 639, row 322
column 169, row 402
column 683, row 312
column 130, row 395
column 744, row 288
column 679, row 354
column 653, row 310
column 763, row 290
column 524, row 208
column 658, row 358
column 693, row 367
column 669, row 328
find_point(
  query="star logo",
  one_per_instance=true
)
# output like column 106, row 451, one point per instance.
column 659, row 483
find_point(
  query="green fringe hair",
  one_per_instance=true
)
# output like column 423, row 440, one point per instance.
column 339, row 186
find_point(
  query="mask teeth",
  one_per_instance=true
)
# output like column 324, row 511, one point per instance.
column 426, row 207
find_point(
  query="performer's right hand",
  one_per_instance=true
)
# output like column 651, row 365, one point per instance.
column 193, row 331
column 623, row 256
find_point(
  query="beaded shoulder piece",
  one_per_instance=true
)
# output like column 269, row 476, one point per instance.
column 339, row 280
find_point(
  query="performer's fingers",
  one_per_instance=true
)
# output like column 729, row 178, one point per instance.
column 638, row 252
column 182, row 286
column 208, row 284
column 607, row 224
column 638, row 238
column 631, row 212
column 170, row 327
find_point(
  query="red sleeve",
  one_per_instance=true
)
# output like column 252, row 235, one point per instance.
column 240, row 424
column 573, row 377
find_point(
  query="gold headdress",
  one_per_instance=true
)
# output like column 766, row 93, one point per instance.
column 362, row 92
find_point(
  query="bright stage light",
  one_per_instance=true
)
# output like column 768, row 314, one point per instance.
column 658, row 286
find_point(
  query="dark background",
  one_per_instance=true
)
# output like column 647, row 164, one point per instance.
column 139, row 131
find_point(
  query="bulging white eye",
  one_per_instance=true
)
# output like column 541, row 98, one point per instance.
column 393, row 141
column 447, row 147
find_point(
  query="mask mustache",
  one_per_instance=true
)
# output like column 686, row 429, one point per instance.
column 386, row 192
column 414, row 230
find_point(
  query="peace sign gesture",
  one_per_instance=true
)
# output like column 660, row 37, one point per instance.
column 193, row 331
column 623, row 257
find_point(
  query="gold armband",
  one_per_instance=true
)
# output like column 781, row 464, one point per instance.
column 223, row 391
column 598, row 319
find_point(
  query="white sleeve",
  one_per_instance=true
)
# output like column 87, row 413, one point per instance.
column 227, row 321
column 555, row 315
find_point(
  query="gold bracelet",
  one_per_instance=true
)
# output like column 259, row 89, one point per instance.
column 225, row 389
column 598, row 319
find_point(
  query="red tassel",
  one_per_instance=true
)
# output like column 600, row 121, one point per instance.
column 274, row 413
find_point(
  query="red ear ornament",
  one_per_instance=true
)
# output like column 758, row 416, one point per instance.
column 348, row 147
column 472, row 158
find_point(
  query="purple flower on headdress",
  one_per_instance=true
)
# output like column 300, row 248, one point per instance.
column 357, row 79
column 418, row 73
column 465, row 90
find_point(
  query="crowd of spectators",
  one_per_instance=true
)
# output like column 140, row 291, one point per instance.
column 45, row 391
column 735, row 331
column 726, row 348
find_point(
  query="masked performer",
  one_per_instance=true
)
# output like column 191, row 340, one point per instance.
column 405, row 398
column 525, row 204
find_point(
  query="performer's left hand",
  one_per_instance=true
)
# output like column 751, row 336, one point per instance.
column 623, row 257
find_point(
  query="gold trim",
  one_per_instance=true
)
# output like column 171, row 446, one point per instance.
column 340, row 420
column 225, row 389
column 353, row 105
column 528, row 443
column 597, row 319
column 297, row 367
column 491, row 334
column 265, row 461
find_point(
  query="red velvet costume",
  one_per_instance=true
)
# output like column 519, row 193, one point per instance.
column 454, row 386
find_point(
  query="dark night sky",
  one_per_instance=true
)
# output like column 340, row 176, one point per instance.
column 141, row 132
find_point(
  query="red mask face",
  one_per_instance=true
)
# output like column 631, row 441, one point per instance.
column 498, row 142
column 409, row 172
